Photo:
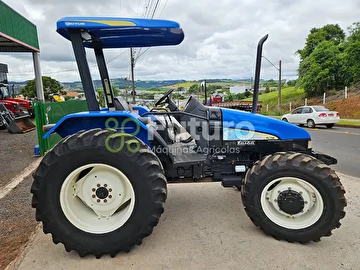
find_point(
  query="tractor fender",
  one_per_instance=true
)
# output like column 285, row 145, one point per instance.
column 124, row 121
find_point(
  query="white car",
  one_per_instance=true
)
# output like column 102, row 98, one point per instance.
column 312, row 116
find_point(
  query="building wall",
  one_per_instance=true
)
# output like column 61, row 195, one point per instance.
column 238, row 89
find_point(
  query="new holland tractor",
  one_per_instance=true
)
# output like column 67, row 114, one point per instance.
column 102, row 188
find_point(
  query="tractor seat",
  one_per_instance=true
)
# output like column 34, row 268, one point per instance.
column 121, row 104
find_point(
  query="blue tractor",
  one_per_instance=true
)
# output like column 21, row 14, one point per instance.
column 102, row 188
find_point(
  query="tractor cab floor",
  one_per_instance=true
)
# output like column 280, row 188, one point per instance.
column 186, row 154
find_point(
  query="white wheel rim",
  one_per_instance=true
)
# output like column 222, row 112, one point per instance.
column 98, row 202
column 313, row 203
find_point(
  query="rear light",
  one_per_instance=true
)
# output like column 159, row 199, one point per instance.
column 322, row 115
column 337, row 114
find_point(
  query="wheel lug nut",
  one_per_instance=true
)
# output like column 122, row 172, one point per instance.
column 105, row 201
column 275, row 200
column 98, row 200
column 93, row 189
column 289, row 188
column 110, row 189
column 93, row 196
column 110, row 196
column 305, row 202
column 105, row 185
column 98, row 185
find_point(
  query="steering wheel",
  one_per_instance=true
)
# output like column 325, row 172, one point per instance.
column 166, row 95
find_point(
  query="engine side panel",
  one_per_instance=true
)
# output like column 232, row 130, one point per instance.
column 262, row 124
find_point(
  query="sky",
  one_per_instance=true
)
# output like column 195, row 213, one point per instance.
column 220, row 37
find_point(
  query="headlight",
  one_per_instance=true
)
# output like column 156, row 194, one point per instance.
column 309, row 144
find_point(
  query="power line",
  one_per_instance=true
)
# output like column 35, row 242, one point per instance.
column 68, row 70
column 270, row 62
column 142, row 54
column 152, row 16
column 163, row 8
column 156, row 6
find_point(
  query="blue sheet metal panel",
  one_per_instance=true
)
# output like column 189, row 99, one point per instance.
column 260, row 123
column 124, row 32
column 124, row 121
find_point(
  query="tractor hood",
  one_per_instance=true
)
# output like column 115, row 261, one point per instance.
column 9, row 102
column 259, row 123
column 21, row 102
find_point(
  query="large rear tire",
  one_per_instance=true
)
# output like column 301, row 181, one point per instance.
column 294, row 197
column 96, row 200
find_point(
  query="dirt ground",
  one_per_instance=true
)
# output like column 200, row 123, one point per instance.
column 16, row 153
column 348, row 108
column 17, row 220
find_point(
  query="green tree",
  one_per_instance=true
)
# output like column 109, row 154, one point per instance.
column 271, row 83
column 330, row 32
column 100, row 97
column 352, row 54
column 194, row 89
column 247, row 93
column 229, row 97
column 116, row 90
column 354, row 31
column 323, row 69
column 352, row 60
column 240, row 96
column 291, row 82
column 50, row 86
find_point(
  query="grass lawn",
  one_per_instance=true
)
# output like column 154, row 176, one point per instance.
column 288, row 94
column 355, row 123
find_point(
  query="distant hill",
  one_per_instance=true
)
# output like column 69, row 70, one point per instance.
column 122, row 83
column 153, row 84
column 142, row 84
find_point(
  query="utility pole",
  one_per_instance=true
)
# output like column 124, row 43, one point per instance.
column 279, row 92
column 132, row 75
column 278, row 69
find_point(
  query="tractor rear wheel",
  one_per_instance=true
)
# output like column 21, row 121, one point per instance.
column 294, row 197
column 97, row 197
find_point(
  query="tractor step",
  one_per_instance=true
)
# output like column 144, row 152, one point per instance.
column 232, row 181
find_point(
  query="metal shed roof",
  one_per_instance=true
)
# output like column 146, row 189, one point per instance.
column 17, row 34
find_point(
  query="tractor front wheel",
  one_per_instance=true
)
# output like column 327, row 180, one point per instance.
column 294, row 197
column 99, row 192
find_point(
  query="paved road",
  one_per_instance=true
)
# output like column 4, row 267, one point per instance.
column 341, row 143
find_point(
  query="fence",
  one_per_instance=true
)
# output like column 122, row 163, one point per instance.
column 51, row 113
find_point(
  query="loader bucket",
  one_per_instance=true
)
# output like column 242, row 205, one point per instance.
column 21, row 125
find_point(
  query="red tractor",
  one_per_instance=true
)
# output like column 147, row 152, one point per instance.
column 18, row 107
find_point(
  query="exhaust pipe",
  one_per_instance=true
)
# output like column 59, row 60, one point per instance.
column 257, row 73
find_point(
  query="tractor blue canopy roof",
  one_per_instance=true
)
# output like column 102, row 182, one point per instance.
column 123, row 32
